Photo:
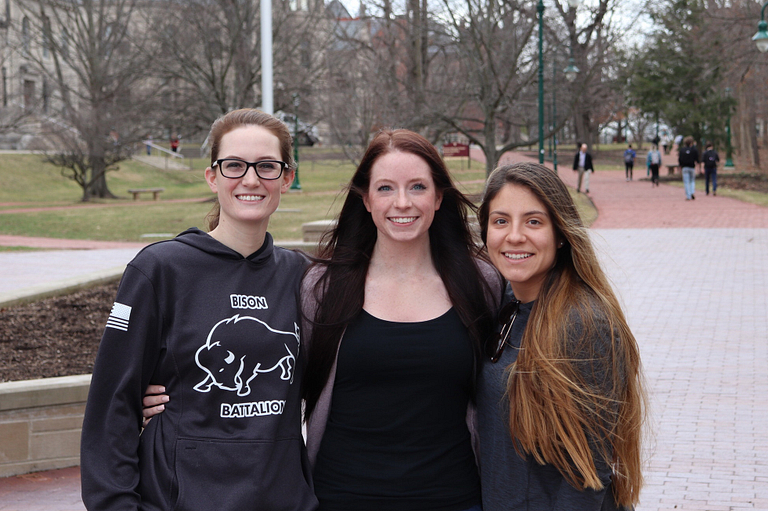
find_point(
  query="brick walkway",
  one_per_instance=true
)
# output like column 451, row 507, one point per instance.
column 692, row 277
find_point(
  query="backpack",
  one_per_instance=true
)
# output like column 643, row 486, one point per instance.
column 628, row 157
column 655, row 158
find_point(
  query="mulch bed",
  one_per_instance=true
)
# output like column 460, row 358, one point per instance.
column 54, row 337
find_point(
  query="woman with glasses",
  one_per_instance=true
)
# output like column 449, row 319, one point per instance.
column 399, row 306
column 215, row 318
column 560, row 400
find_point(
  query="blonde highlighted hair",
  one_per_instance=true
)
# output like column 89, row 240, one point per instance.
column 576, row 398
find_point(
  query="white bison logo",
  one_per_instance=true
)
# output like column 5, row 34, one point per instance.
column 229, row 354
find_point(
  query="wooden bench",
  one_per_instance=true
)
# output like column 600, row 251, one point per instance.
column 154, row 191
column 671, row 169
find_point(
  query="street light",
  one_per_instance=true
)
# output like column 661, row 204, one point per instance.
column 296, row 185
column 761, row 38
column 728, row 148
column 540, row 10
column 570, row 71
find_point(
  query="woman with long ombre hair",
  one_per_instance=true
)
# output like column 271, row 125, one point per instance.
column 399, row 306
column 560, row 398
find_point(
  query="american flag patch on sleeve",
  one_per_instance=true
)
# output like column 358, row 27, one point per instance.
column 119, row 317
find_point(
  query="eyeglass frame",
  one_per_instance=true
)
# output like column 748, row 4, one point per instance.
column 249, row 164
column 503, row 336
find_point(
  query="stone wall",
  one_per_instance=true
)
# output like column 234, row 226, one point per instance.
column 40, row 423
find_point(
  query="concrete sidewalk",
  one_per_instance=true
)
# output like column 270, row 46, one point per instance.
column 692, row 278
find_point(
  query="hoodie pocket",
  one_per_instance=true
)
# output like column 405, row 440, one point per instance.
column 240, row 475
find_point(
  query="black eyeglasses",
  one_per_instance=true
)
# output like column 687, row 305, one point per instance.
column 265, row 169
column 507, row 317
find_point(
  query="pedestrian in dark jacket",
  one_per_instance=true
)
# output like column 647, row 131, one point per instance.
column 710, row 159
column 629, row 162
column 688, row 158
column 582, row 162
column 652, row 162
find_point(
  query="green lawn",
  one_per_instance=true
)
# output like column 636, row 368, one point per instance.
column 27, row 182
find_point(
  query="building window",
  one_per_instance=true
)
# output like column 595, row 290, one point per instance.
column 46, row 95
column 64, row 43
column 29, row 93
column 46, row 37
column 25, row 38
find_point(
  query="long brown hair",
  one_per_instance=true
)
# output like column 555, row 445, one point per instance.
column 555, row 414
column 346, row 253
column 247, row 117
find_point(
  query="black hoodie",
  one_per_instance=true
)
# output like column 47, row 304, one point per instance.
column 221, row 332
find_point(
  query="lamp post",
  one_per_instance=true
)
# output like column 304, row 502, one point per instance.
column 540, row 10
column 553, row 122
column 761, row 38
column 728, row 148
column 296, row 185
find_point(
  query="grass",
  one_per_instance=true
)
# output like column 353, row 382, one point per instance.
column 27, row 182
column 750, row 196
column 759, row 198
column 19, row 249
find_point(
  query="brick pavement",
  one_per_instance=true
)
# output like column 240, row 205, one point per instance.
column 692, row 278
column 54, row 490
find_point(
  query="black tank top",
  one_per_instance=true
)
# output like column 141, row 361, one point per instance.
column 397, row 437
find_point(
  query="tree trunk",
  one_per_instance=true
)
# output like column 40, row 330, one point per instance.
column 98, row 180
column 489, row 131
column 582, row 126
column 747, row 123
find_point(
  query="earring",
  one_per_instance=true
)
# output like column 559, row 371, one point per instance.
column 560, row 245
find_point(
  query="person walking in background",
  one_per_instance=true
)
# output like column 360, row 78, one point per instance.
column 652, row 162
column 665, row 143
column 688, row 158
column 174, row 143
column 710, row 159
column 629, row 162
column 582, row 162
column 148, row 142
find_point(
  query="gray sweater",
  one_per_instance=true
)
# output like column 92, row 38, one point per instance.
column 509, row 481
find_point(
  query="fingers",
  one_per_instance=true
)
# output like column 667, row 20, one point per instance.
column 154, row 389
column 150, row 401
column 154, row 401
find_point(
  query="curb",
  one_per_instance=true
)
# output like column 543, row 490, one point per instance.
column 60, row 287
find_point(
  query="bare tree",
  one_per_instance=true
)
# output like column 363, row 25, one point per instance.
column 100, row 93
column 592, row 36
column 495, row 67
column 212, row 56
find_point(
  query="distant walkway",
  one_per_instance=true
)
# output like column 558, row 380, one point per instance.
column 65, row 244
column 636, row 204
column 86, row 205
